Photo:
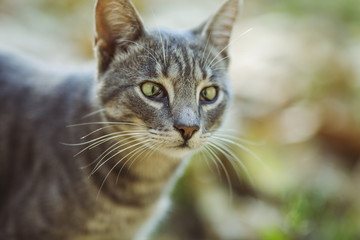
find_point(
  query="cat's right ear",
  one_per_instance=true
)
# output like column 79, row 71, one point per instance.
column 217, row 30
column 117, row 25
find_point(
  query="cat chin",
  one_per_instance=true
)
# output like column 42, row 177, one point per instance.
column 177, row 152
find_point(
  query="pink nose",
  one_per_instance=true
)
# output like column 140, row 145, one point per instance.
column 187, row 131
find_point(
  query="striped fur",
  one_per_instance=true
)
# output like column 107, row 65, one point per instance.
column 129, row 148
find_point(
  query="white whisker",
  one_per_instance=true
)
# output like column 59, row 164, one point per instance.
column 115, row 165
column 239, row 139
column 105, row 123
column 138, row 44
column 101, row 140
column 161, row 39
column 101, row 162
column 99, row 129
column 94, row 113
column 203, row 54
column 231, row 42
column 153, row 149
column 228, row 141
column 95, row 131
column 140, row 151
column 218, row 160
column 109, row 148
column 206, row 153
column 230, row 155
column 162, row 45
column 204, row 157
column 217, row 62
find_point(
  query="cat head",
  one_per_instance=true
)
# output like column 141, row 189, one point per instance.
column 170, row 89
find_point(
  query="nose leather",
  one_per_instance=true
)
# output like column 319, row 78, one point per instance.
column 186, row 121
column 187, row 131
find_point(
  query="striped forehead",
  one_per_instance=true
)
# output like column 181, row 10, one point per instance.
column 181, row 73
column 181, row 61
column 178, row 65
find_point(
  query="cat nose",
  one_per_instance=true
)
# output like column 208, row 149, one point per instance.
column 187, row 131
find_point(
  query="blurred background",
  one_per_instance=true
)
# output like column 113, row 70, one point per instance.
column 296, row 113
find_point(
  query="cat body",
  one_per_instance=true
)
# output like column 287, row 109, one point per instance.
column 155, row 98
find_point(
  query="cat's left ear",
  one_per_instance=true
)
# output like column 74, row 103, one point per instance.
column 117, row 25
column 218, row 29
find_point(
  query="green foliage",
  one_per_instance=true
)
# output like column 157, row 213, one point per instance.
column 311, row 215
column 274, row 233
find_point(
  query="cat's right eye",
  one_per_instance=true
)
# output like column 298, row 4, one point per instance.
column 209, row 94
column 152, row 90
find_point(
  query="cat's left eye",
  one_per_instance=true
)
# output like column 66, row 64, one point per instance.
column 209, row 94
column 152, row 90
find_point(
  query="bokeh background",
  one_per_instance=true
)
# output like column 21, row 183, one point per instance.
column 296, row 78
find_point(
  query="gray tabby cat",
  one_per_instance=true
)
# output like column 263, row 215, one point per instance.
column 156, row 97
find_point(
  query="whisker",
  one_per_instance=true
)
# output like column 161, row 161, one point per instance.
column 138, row 44
column 96, row 144
column 162, row 45
column 101, row 140
column 94, row 113
column 150, row 147
column 101, row 162
column 153, row 149
column 228, row 141
column 228, row 157
column 203, row 155
column 130, row 135
column 219, row 61
column 218, row 160
column 218, row 69
column 161, row 40
column 115, row 165
column 140, row 151
column 109, row 148
column 231, row 156
column 207, row 153
column 206, row 47
column 209, row 55
column 99, row 129
column 239, row 139
column 95, row 131
column 104, row 123
column 94, row 140
column 231, row 42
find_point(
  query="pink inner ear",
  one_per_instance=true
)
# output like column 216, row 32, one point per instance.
column 117, row 24
column 117, row 20
column 221, row 25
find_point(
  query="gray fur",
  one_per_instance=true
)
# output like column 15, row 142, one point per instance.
column 118, row 188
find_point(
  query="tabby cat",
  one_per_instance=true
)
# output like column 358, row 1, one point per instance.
column 156, row 97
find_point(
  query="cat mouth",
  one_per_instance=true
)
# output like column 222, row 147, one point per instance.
column 184, row 145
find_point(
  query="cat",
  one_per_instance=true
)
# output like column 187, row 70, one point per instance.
column 156, row 97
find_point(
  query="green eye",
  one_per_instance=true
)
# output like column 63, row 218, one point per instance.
column 151, row 89
column 209, row 94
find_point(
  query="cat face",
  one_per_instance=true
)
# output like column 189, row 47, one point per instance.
column 169, row 89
